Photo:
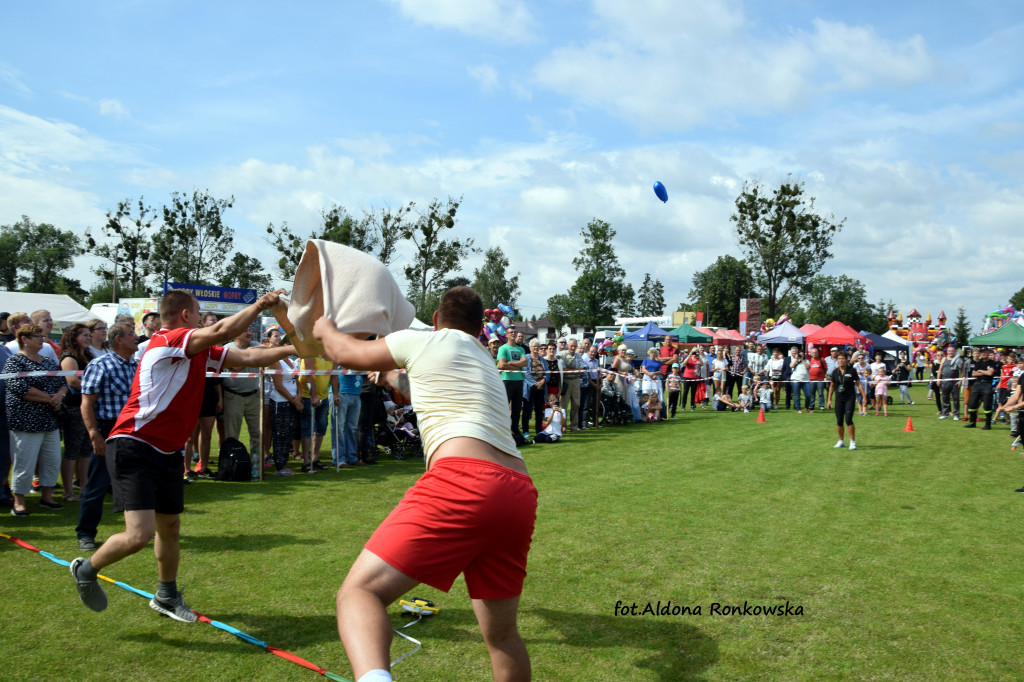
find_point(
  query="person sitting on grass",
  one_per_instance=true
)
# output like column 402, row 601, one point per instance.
column 746, row 400
column 554, row 422
column 652, row 408
column 721, row 402
column 476, row 489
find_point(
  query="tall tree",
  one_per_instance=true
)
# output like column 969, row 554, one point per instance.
column 46, row 253
column 1017, row 300
column 962, row 326
column 599, row 291
column 126, row 249
column 435, row 258
column 491, row 280
column 559, row 311
column 625, row 306
column 377, row 233
column 784, row 241
column 11, row 243
column 840, row 298
column 718, row 288
column 650, row 300
column 194, row 244
column 246, row 272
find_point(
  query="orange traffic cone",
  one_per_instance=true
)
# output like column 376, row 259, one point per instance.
column 760, row 417
column 909, row 427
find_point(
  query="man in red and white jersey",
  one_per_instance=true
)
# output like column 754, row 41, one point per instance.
column 144, row 449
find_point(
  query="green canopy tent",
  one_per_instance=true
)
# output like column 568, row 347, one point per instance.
column 688, row 334
column 1010, row 334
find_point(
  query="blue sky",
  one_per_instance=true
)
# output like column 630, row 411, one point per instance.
column 905, row 119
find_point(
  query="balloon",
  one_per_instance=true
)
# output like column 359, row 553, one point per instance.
column 660, row 190
column 507, row 310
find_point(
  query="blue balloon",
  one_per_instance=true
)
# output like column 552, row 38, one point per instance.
column 660, row 190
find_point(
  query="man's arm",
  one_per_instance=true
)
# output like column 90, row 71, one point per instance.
column 99, row 446
column 255, row 356
column 351, row 352
column 230, row 327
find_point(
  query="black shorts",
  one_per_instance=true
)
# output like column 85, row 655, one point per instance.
column 844, row 407
column 209, row 406
column 145, row 478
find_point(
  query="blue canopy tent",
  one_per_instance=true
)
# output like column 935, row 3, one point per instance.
column 783, row 333
column 647, row 331
column 884, row 344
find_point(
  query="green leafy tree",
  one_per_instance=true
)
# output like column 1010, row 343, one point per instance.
column 718, row 288
column 962, row 326
column 1017, row 300
column 126, row 248
column 600, row 288
column 626, row 305
column 377, row 233
column 650, row 300
column 840, row 298
column 559, row 311
column 246, row 272
column 194, row 244
column 435, row 258
column 11, row 243
column 784, row 241
column 491, row 280
column 46, row 253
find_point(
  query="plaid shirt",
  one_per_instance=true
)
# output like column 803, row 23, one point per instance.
column 756, row 362
column 110, row 379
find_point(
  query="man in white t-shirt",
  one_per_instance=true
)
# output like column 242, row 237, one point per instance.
column 45, row 321
column 476, row 488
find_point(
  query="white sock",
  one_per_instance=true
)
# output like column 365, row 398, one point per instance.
column 376, row 675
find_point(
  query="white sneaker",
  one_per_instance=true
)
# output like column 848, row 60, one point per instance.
column 943, row 416
column 853, row 445
column 956, row 418
column 838, row 444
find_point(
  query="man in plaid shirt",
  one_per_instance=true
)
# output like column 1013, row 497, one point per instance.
column 106, row 385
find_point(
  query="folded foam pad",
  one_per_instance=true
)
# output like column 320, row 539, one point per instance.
column 352, row 288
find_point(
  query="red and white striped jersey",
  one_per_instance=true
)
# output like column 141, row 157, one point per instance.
column 167, row 392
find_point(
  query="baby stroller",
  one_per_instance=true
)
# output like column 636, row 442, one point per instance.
column 397, row 433
column 612, row 409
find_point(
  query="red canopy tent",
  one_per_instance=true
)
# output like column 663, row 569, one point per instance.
column 739, row 337
column 836, row 334
column 810, row 328
column 721, row 337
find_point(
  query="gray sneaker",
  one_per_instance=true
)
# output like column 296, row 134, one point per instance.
column 87, row 544
column 89, row 591
column 174, row 607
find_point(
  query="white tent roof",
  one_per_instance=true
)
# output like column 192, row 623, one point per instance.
column 63, row 308
column 890, row 334
column 416, row 324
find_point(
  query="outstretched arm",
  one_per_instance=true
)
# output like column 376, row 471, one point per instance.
column 256, row 356
column 351, row 352
column 230, row 327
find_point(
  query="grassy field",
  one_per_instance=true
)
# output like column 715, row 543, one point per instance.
column 904, row 558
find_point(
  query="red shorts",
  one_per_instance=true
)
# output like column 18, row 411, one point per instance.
column 467, row 516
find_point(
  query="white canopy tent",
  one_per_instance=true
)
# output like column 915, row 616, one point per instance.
column 63, row 309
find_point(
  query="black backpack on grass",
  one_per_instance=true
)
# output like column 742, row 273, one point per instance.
column 233, row 463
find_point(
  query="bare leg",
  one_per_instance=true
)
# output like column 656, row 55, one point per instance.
column 849, row 430
column 509, row 659
column 363, row 624
column 167, row 546
column 205, row 438
column 139, row 527
column 318, row 440
column 67, row 475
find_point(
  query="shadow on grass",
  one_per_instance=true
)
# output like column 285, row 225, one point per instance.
column 676, row 649
column 241, row 542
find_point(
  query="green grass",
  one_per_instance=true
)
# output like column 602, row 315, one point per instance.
column 904, row 556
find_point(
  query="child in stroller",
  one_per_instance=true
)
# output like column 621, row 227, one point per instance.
column 614, row 409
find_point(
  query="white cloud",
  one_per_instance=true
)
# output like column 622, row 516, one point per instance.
column 507, row 21
column 112, row 107
column 672, row 65
column 12, row 77
column 486, row 75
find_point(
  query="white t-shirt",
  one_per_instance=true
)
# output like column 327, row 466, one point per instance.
column 800, row 372
column 290, row 383
column 456, row 388
column 557, row 419
column 875, row 366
